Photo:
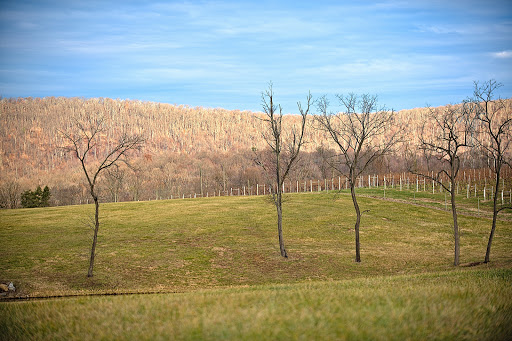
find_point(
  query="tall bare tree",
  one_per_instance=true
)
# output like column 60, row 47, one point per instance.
column 495, row 125
column 83, row 140
column 445, row 135
column 358, row 133
column 284, row 150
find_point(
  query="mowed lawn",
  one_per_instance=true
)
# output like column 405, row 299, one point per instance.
column 214, row 270
column 183, row 245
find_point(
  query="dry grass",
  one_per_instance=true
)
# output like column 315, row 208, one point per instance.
column 216, row 263
column 455, row 305
column 185, row 245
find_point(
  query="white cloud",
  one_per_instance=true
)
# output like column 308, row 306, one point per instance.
column 443, row 29
column 112, row 45
column 502, row 54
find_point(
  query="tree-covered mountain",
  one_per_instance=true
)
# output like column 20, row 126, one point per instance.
column 187, row 149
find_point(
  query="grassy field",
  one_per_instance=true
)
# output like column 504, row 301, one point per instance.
column 215, row 263
column 456, row 305
column 441, row 200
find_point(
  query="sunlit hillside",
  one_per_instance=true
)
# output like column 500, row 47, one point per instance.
column 186, row 150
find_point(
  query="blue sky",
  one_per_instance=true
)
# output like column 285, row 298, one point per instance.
column 224, row 53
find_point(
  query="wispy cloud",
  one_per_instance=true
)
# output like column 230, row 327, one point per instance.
column 443, row 29
column 502, row 54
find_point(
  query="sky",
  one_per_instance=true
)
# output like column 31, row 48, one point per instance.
column 225, row 53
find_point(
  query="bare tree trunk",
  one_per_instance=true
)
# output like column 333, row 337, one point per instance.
column 455, row 225
column 95, row 237
column 358, row 221
column 494, row 216
column 279, row 208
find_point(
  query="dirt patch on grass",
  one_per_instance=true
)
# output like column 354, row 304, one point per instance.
column 468, row 265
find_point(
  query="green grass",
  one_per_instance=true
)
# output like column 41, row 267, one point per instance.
column 214, row 267
column 183, row 245
column 456, row 305
column 441, row 200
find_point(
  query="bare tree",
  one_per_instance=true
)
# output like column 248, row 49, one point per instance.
column 83, row 140
column 444, row 137
column 495, row 125
column 10, row 194
column 358, row 133
column 284, row 150
column 114, row 181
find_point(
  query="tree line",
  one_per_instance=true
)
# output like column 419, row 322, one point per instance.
column 186, row 150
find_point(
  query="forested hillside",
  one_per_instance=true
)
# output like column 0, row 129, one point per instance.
column 187, row 150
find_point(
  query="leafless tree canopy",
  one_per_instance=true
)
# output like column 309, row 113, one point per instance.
column 444, row 137
column 83, row 138
column 358, row 131
column 495, row 124
column 284, row 145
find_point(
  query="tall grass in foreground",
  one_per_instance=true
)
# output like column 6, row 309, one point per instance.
column 456, row 305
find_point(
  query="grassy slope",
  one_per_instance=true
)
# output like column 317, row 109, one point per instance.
column 183, row 245
column 455, row 305
column 223, row 255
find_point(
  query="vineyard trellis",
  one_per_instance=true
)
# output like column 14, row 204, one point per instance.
column 473, row 184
